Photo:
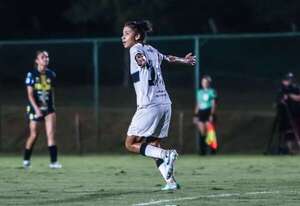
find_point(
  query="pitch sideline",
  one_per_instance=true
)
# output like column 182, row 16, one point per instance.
column 208, row 196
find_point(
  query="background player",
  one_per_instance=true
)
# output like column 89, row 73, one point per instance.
column 151, row 121
column 40, row 91
column 205, row 109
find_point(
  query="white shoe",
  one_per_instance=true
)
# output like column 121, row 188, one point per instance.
column 169, row 160
column 171, row 186
column 55, row 165
column 26, row 164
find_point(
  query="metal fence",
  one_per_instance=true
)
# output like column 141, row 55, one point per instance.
column 95, row 100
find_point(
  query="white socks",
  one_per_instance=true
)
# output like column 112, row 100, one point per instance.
column 155, row 152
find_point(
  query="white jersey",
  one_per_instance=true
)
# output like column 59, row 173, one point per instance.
column 148, row 81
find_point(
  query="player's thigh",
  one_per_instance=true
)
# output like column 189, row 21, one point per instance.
column 144, row 122
column 162, row 128
column 145, row 116
column 34, row 127
column 202, row 127
column 50, row 123
column 133, row 139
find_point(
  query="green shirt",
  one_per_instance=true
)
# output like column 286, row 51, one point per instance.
column 205, row 98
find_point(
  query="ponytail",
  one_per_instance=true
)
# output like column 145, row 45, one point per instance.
column 141, row 27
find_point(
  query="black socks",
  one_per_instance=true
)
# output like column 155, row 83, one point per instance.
column 143, row 149
column 53, row 153
column 159, row 162
column 27, row 154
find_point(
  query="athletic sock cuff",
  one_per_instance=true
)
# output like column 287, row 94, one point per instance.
column 143, row 149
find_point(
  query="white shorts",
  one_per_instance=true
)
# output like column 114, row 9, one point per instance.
column 151, row 121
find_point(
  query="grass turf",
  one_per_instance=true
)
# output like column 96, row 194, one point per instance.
column 132, row 180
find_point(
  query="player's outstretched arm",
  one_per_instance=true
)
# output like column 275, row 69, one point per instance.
column 189, row 59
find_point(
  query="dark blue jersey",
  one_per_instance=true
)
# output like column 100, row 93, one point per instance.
column 42, row 84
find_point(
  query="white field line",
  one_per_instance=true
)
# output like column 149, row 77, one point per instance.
column 205, row 196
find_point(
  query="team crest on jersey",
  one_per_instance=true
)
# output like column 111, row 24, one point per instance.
column 48, row 80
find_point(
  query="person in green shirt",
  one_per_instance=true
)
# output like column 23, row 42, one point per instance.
column 205, row 109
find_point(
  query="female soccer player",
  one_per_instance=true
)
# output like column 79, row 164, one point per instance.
column 40, row 91
column 150, row 122
column 205, row 108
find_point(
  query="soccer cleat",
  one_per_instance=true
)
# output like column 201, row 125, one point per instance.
column 26, row 164
column 169, row 160
column 171, row 186
column 55, row 165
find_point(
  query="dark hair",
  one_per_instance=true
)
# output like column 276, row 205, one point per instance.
column 208, row 78
column 289, row 76
column 141, row 27
column 37, row 53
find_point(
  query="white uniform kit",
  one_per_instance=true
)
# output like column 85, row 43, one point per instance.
column 153, row 115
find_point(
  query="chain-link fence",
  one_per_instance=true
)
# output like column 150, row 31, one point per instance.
column 95, row 99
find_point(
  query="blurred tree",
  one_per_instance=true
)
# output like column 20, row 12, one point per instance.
column 8, row 17
column 270, row 14
column 74, row 18
column 114, row 13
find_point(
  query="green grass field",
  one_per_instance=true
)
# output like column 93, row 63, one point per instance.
column 134, row 180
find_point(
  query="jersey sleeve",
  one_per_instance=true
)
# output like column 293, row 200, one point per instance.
column 161, row 57
column 29, row 80
column 135, row 52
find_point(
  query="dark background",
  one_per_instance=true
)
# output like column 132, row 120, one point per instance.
column 90, row 18
column 246, row 69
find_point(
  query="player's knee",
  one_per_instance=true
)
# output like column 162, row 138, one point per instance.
column 128, row 145
column 51, row 141
column 203, row 131
column 50, row 134
column 33, row 135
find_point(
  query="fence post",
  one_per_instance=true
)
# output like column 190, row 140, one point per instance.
column 0, row 127
column 180, row 131
column 96, row 46
column 78, row 137
column 197, row 77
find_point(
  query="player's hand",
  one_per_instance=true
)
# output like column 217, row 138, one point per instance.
column 211, row 118
column 195, row 120
column 38, row 113
column 190, row 59
column 284, row 98
column 292, row 96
